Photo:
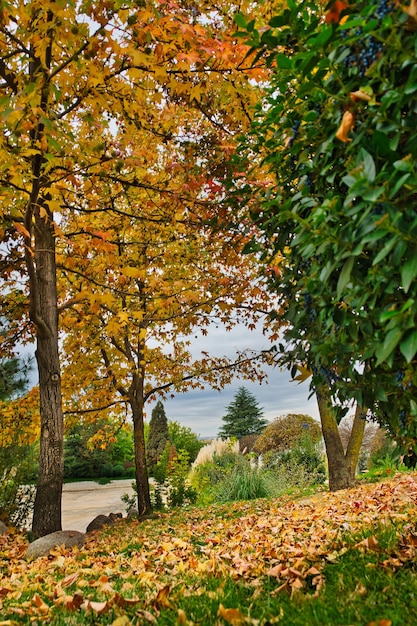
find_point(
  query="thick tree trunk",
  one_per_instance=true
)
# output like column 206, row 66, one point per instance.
column 340, row 472
column 47, row 510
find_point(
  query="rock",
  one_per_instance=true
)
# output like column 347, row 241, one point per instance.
column 103, row 520
column 3, row 529
column 43, row 545
column 133, row 513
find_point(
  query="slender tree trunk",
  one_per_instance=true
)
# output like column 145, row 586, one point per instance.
column 341, row 474
column 355, row 440
column 47, row 510
column 141, row 471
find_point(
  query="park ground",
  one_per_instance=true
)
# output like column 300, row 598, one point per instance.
column 345, row 558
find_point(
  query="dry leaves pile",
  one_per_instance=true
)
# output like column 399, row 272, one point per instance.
column 144, row 566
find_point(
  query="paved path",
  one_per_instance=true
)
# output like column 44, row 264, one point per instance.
column 82, row 502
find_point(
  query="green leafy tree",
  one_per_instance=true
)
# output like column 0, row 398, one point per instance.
column 183, row 438
column 243, row 417
column 158, row 435
column 13, row 377
column 286, row 431
column 336, row 140
column 95, row 449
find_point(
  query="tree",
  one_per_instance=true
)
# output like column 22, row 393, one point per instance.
column 335, row 135
column 73, row 76
column 158, row 435
column 284, row 432
column 183, row 438
column 243, row 417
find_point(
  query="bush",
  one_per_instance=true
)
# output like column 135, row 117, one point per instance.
column 308, row 456
column 285, row 432
column 249, row 484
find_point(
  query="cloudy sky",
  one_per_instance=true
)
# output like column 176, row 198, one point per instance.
column 202, row 411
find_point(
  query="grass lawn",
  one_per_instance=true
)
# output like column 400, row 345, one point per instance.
column 333, row 558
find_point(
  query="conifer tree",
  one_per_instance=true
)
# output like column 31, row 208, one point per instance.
column 158, row 435
column 243, row 417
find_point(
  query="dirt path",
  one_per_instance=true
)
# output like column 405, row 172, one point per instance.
column 82, row 502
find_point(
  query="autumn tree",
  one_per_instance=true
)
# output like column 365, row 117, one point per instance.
column 243, row 416
column 158, row 435
column 77, row 79
column 335, row 134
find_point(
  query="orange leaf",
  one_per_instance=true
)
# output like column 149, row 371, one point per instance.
column 348, row 121
column 231, row 616
column 333, row 15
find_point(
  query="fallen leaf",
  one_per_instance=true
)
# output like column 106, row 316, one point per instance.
column 123, row 620
column 162, row 599
column 231, row 616
column 96, row 607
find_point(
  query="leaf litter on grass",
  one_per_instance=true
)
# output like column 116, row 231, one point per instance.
column 142, row 569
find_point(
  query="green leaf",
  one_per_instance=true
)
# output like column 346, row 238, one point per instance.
column 391, row 342
column 368, row 164
column 384, row 251
column 372, row 195
column 408, row 346
column 283, row 61
column 345, row 275
column 409, row 271
column 240, row 20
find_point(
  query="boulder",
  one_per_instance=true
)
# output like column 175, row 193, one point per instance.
column 3, row 529
column 43, row 545
column 102, row 520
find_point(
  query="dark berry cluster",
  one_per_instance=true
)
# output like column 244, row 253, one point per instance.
column 325, row 374
column 364, row 53
column 367, row 48
column 295, row 129
column 308, row 306
column 402, row 418
column 384, row 8
column 399, row 378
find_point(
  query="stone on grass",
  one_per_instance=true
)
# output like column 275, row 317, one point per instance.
column 3, row 529
column 43, row 545
column 103, row 520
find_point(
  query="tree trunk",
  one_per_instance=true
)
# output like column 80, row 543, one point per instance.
column 355, row 440
column 340, row 474
column 141, row 472
column 47, row 509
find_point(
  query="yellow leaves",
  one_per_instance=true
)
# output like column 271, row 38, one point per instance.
column 345, row 127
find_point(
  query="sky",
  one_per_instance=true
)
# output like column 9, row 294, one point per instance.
column 202, row 411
